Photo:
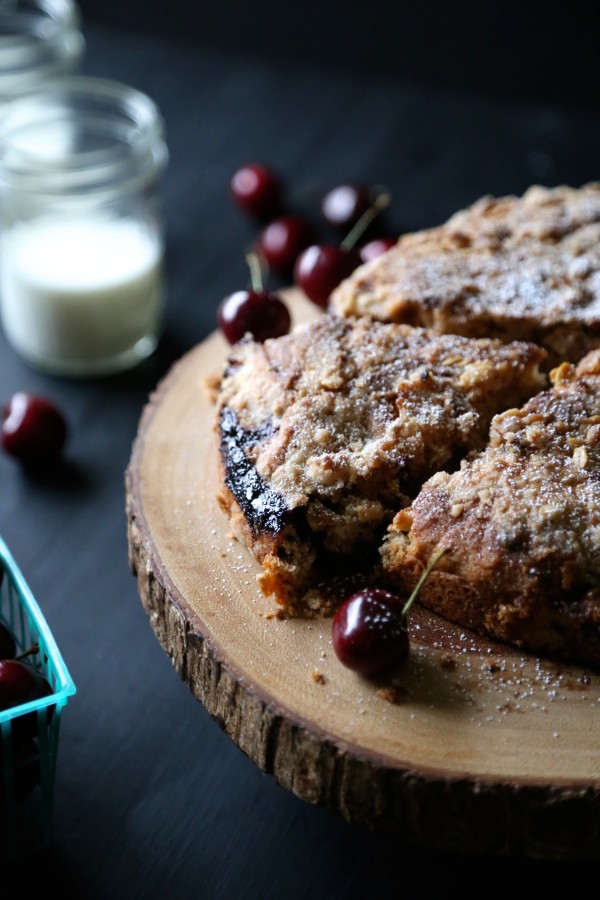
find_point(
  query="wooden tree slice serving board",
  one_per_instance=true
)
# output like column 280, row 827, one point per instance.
column 472, row 747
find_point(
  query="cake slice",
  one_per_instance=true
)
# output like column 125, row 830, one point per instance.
column 521, row 523
column 326, row 432
column 514, row 268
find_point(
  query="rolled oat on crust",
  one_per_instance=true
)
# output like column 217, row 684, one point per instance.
column 325, row 433
column 521, row 522
column 514, row 268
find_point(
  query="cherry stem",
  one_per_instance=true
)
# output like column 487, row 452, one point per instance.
column 381, row 202
column 30, row 651
column 424, row 575
column 256, row 271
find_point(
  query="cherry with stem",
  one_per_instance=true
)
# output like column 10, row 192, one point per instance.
column 321, row 267
column 257, row 312
column 370, row 630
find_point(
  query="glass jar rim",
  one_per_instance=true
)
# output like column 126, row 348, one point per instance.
column 65, row 13
column 119, row 131
column 40, row 39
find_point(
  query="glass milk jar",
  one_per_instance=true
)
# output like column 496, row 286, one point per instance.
column 39, row 39
column 82, row 286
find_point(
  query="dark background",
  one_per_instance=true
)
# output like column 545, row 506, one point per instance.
column 545, row 51
column 439, row 102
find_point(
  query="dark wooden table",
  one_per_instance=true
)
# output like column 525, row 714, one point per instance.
column 152, row 799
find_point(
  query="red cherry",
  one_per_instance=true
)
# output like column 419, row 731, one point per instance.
column 258, row 312
column 343, row 206
column 369, row 632
column 257, row 190
column 376, row 247
column 282, row 241
column 34, row 430
column 21, row 683
column 321, row 267
column 263, row 314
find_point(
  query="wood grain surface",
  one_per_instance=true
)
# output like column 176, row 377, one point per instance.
column 471, row 747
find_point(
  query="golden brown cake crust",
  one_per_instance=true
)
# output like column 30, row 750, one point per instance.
column 514, row 268
column 325, row 433
column 521, row 522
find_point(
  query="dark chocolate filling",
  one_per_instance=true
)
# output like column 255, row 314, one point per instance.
column 264, row 509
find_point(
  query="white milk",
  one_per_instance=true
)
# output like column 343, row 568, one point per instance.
column 81, row 295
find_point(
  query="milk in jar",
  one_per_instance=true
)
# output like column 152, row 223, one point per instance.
column 82, row 271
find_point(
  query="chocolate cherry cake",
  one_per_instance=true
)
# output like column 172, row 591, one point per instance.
column 325, row 433
column 520, row 521
column 513, row 268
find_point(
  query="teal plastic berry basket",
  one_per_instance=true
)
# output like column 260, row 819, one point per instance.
column 28, row 755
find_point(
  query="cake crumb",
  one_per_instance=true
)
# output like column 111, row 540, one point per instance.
column 211, row 386
column 391, row 694
column 276, row 614
column 317, row 677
